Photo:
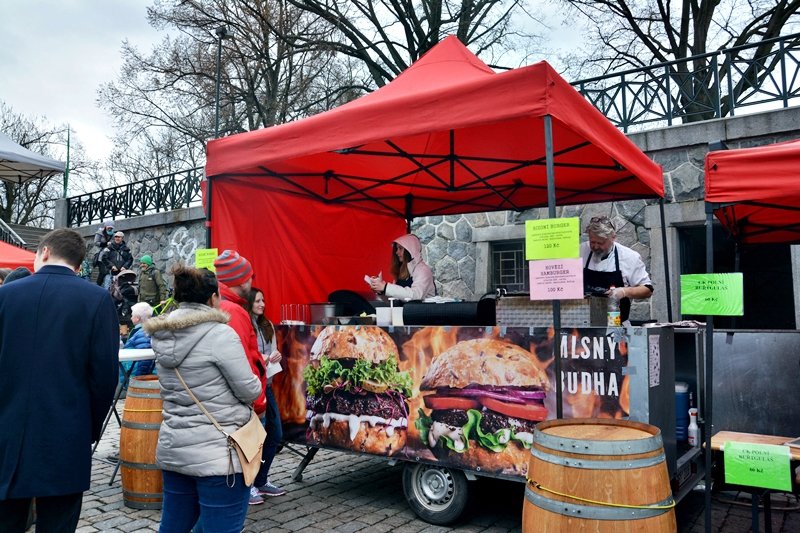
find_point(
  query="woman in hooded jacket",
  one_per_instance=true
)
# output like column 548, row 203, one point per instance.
column 202, row 479
column 413, row 277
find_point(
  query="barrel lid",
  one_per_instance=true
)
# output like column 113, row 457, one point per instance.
column 598, row 436
column 680, row 386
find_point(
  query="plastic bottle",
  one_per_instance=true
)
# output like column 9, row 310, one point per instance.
column 681, row 410
column 693, row 431
column 614, row 319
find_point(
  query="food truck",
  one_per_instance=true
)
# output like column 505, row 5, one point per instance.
column 313, row 204
column 454, row 402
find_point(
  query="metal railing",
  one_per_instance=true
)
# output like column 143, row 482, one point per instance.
column 153, row 195
column 10, row 236
column 701, row 87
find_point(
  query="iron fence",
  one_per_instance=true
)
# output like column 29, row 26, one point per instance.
column 719, row 84
column 153, row 195
column 760, row 76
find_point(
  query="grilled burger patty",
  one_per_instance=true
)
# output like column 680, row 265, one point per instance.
column 366, row 403
column 490, row 421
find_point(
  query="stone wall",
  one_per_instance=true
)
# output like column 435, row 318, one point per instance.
column 168, row 238
column 457, row 246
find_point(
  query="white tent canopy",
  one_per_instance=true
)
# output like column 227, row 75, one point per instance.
column 18, row 164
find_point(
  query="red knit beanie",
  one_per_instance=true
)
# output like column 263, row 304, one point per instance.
column 232, row 269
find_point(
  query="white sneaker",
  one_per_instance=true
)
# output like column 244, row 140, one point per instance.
column 255, row 497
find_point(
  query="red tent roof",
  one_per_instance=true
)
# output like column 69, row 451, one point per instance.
column 446, row 136
column 12, row 256
column 758, row 190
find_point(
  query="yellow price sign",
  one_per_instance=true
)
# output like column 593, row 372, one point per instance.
column 552, row 238
column 204, row 258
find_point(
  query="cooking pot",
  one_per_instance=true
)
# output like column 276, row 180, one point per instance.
column 322, row 312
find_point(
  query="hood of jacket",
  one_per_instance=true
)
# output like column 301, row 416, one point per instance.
column 175, row 335
column 411, row 243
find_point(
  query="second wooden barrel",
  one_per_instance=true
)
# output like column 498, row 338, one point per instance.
column 597, row 475
column 142, row 486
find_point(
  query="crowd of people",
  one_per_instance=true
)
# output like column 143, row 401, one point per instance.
column 211, row 358
column 212, row 355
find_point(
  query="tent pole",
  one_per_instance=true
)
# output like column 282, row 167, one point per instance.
column 666, row 259
column 409, row 211
column 709, row 360
column 551, row 212
column 208, row 211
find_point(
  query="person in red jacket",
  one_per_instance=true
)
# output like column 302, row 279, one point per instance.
column 235, row 275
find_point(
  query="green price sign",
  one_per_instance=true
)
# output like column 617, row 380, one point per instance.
column 552, row 238
column 204, row 258
column 758, row 465
column 712, row 294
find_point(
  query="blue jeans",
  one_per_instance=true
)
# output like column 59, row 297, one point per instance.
column 272, row 423
column 221, row 509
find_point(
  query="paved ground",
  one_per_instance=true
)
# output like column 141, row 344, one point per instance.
column 349, row 493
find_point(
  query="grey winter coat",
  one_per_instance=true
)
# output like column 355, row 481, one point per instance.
column 209, row 354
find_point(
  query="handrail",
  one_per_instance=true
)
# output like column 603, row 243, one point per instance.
column 692, row 89
column 178, row 190
column 10, row 236
column 686, row 90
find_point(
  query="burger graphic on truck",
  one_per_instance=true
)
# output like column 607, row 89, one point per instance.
column 356, row 397
column 486, row 396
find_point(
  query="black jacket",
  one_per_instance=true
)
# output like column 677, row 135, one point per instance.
column 118, row 255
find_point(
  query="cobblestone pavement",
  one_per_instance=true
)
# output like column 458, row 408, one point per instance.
column 348, row 493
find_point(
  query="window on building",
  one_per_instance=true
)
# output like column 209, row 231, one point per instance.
column 508, row 266
column 764, row 267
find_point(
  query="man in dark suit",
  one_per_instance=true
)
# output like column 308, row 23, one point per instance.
column 59, row 343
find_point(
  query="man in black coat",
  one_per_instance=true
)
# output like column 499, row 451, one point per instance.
column 59, row 343
column 118, row 256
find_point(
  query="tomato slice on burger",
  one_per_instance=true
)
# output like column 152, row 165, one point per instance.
column 535, row 412
column 450, row 402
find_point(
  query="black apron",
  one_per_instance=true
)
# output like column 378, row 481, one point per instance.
column 594, row 278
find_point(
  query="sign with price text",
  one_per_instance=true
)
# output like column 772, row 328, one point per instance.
column 758, row 465
column 204, row 258
column 712, row 294
column 556, row 279
column 552, row 238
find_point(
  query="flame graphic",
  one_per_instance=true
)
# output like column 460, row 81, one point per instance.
column 288, row 386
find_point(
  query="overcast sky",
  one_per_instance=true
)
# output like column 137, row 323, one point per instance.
column 55, row 54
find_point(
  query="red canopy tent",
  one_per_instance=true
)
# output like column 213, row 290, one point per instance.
column 447, row 136
column 12, row 257
column 755, row 192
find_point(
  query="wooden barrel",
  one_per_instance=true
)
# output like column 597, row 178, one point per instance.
column 142, row 486
column 597, row 475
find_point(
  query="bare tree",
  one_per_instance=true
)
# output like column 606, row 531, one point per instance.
column 31, row 203
column 265, row 78
column 386, row 36
column 634, row 34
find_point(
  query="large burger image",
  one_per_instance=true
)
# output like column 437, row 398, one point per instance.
column 487, row 397
column 356, row 396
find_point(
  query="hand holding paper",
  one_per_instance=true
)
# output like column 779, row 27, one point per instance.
column 375, row 282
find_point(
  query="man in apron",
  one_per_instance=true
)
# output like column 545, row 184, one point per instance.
column 609, row 264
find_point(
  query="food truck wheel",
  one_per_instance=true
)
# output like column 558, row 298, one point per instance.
column 436, row 494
